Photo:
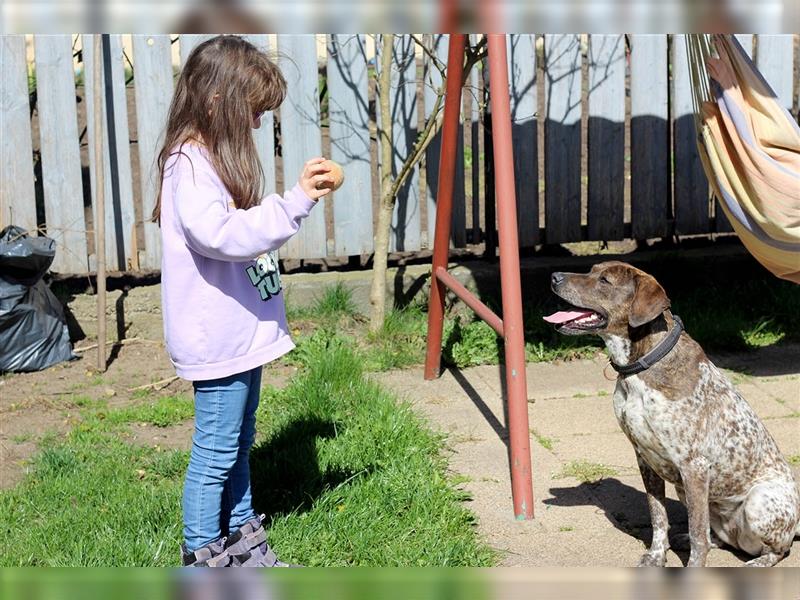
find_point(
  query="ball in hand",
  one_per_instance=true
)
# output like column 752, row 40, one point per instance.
column 335, row 173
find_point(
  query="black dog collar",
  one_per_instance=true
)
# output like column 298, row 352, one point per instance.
column 656, row 354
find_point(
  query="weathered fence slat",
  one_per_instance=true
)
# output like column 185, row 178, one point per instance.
column 348, row 109
column 265, row 135
column 189, row 41
column 17, row 198
column 775, row 60
column 300, row 132
column 690, row 185
column 650, row 172
column 153, row 86
column 432, row 83
column 660, row 187
column 477, row 163
column 524, row 126
column 61, row 162
column 606, row 137
column 562, row 159
column 121, row 224
column 405, row 233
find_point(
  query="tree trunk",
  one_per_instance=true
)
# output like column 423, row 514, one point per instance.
column 389, row 186
column 377, row 296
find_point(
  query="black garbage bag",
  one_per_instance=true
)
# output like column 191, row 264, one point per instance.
column 33, row 328
column 24, row 259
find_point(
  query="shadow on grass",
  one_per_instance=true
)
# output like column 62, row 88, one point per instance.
column 285, row 472
column 405, row 296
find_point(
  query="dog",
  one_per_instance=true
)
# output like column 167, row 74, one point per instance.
column 687, row 422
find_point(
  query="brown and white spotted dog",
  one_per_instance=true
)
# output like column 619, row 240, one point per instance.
column 688, row 424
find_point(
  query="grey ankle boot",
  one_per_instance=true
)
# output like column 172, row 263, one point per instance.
column 210, row 555
column 248, row 546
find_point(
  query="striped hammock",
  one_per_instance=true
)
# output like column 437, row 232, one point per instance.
column 750, row 149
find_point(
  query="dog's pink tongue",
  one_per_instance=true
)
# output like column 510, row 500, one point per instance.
column 564, row 316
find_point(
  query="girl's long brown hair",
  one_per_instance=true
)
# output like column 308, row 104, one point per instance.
column 225, row 83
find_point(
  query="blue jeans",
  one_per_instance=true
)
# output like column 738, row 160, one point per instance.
column 216, row 493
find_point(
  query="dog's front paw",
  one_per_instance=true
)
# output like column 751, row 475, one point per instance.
column 653, row 559
column 765, row 560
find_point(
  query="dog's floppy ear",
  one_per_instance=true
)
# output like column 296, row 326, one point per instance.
column 649, row 301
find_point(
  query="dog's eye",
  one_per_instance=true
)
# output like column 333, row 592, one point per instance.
column 604, row 279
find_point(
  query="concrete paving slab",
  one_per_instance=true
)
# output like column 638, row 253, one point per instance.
column 786, row 432
column 557, row 379
column 611, row 450
column 764, row 400
column 785, row 390
column 605, row 523
column 558, row 417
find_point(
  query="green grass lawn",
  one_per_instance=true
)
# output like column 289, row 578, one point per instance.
column 741, row 316
column 355, row 476
column 467, row 341
column 347, row 474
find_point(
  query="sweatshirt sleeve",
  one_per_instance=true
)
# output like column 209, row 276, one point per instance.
column 214, row 231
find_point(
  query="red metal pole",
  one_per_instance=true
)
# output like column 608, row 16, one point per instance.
column 471, row 300
column 516, row 384
column 444, row 201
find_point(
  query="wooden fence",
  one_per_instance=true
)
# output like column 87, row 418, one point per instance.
column 603, row 139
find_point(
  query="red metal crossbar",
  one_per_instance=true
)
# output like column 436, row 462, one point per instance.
column 510, row 327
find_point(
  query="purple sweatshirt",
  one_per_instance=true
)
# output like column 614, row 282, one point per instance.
column 220, row 285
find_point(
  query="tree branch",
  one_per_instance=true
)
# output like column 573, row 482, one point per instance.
column 434, row 123
column 434, row 59
column 389, row 187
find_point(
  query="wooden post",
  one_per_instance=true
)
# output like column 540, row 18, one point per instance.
column 18, row 198
column 60, row 152
column 562, row 138
column 99, row 226
column 650, row 169
column 300, row 123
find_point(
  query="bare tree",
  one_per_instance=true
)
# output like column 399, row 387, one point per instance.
column 377, row 295
column 389, row 185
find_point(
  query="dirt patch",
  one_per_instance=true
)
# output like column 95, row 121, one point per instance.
column 176, row 437
column 51, row 401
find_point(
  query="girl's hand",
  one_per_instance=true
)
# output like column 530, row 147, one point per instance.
column 316, row 180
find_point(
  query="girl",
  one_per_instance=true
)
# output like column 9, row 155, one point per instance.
column 224, row 315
